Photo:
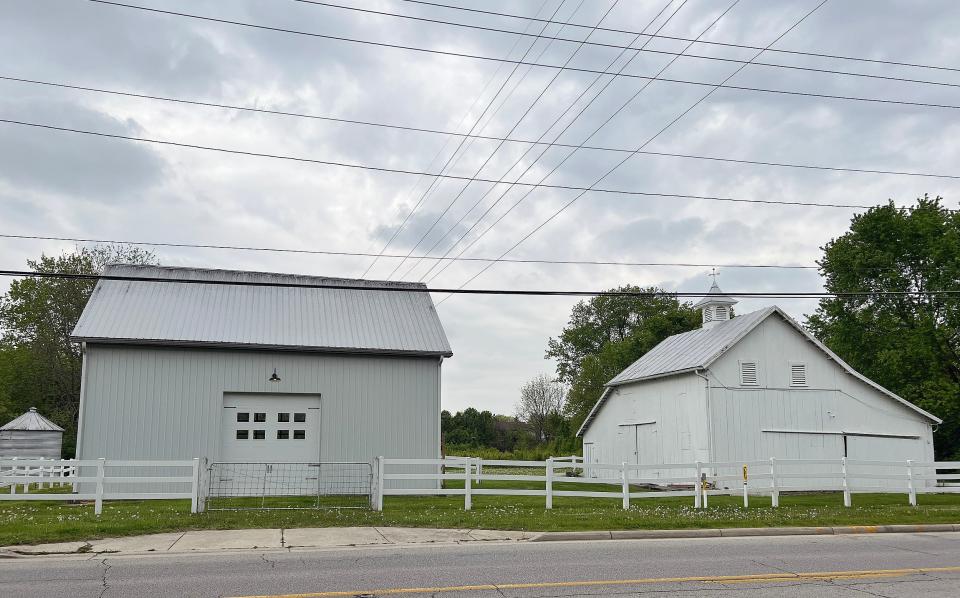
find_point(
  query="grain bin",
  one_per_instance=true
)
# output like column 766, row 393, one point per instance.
column 31, row 436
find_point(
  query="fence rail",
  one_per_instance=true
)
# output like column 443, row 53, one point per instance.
column 699, row 480
column 95, row 479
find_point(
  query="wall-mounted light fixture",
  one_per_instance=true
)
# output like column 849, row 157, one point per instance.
column 274, row 377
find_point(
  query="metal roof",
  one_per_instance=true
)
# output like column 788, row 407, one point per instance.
column 33, row 421
column 698, row 349
column 690, row 350
column 292, row 318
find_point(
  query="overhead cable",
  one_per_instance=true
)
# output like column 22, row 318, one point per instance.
column 416, row 172
column 396, row 287
column 536, row 64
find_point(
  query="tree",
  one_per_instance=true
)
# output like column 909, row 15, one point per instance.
column 606, row 334
column 541, row 399
column 910, row 344
column 39, row 366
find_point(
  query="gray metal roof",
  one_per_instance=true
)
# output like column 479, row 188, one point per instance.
column 294, row 318
column 690, row 350
column 33, row 421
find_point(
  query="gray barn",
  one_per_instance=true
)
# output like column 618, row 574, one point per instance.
column 30, row 436
column 258, row 373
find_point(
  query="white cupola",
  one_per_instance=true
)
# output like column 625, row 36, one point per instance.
column 716, row 306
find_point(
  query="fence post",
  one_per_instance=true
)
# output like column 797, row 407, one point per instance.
column 204, row 482
column 696, row 487
column 549, row 485
column 13, row 473
column 195, row 490
column 74, row 471
column 746, row 501
column 467, row 489
column 703, row 489
column 378, row 505
column 774, row 487
column 626, row 485
column 912, row 490
column 98, row 502
column 846, row 485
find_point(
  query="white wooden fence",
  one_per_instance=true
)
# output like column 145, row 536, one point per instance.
column 698, row 480
column 97, row 478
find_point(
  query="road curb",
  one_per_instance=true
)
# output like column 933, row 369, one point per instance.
column 743, row 532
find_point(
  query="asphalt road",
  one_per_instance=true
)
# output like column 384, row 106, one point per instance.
column 888, row 565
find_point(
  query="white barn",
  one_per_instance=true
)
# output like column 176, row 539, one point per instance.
column 258, row 373
column 749, row 388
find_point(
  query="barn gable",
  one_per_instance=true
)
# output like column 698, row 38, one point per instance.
column 700, row 349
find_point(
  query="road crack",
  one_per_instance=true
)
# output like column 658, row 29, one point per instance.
column 264, row 558
column 103, row 579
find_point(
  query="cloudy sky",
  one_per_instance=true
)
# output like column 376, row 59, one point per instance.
column 56, row 183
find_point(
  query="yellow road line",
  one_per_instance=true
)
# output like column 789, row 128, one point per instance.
column 754, row 578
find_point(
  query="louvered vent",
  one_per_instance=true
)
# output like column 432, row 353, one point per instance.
column 798, row 374
column 748, row 373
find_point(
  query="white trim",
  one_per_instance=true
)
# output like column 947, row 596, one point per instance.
column 843, row 433
column 638, row 423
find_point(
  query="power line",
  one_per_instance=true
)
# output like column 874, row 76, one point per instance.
column 413, row 129
column 596, row 130
column 620, row 46
column 420, row 173
column 641, row 146
column 400, row 256
column 453, row 157
column 418, row 288
column 705, row 42
column 493, row 153
column 536, row 64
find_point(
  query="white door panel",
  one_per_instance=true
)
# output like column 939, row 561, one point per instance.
column 270, row 428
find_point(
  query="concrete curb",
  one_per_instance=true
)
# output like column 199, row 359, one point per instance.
column 742, row 532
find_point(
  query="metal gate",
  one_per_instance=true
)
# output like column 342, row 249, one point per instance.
column 325, row 485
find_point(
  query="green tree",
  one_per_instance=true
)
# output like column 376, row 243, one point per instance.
column 39, row 366
column 907, row 343
column 606, row 334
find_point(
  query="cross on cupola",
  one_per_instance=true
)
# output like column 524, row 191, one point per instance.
column 715, row 306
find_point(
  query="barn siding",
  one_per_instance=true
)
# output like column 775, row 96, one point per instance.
column 165, row 403
column 677, row 405
column 833, row 402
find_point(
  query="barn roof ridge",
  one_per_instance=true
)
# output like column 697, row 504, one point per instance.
column 225, row 274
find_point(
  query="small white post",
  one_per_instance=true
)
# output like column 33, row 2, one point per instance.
column 626, row 485
column 910, row 487
column 479, row 471
column 846, row 485
column 467, row 489
column 696, row 487
column 774, row 487
column 74, row 472
column 13, row 473
column 549, row 485
column 746, row 501
column 98, row 502
column 703, row 489
column 195, row 490
column 378, row 502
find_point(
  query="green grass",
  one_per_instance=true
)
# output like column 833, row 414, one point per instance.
column 28, row 522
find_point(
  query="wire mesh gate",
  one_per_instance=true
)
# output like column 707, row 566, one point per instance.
column 330, row 485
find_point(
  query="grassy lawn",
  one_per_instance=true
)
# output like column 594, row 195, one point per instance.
column 30, row 522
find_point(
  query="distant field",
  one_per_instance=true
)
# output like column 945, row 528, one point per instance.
column 23, row 522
